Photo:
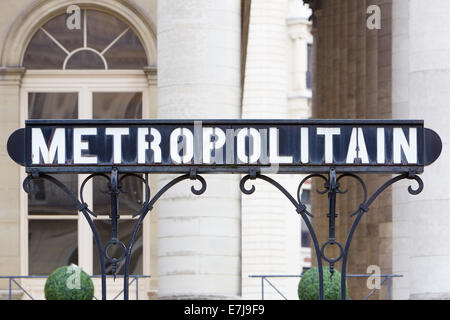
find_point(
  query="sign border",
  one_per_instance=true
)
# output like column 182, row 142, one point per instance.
column 229, row 168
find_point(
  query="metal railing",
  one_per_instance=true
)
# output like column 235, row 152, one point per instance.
column 13, row 280
column 385, row 278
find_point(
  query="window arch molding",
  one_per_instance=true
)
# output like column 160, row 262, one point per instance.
column 29, row 22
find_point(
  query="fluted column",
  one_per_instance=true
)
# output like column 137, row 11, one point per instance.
column 270, row 226
column 199, row 76
column 352, row 79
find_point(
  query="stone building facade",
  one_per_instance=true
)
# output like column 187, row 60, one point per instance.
column 227, row 59
column 154, row 59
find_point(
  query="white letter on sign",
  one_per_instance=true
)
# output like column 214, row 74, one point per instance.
column 79, row 145
column 117, row 134
column 381, row 153
column 175, row 147
column 58, row 143
column 357, row 141
column 254, row 149
column 208, row 145
column 274, row 149
column 154, row 145
column 409, row 149
column 329, row 133
column 304, row 133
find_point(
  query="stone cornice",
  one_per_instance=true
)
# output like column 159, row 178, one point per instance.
column 11, row 75
column 152, row 74
column 299, row 29
column 315, row 6
column 12, row 70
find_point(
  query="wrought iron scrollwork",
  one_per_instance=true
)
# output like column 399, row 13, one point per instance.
column 332, row 187
column 114, row 190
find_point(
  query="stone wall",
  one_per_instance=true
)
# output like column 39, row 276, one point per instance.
column 10, row 263
column 19, row 21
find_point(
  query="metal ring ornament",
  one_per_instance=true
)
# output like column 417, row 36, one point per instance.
column 328, row 243
column 112, row 243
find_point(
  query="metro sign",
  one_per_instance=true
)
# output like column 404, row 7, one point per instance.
column 224, row 146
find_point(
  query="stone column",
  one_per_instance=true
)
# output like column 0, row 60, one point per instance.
column 352, row 80
column 150, row 226
column 421, row 78
column 10, row 191
column 300, row 63
column 270, row 225
column 400, row 109
column 299, row 30
column 199, row 76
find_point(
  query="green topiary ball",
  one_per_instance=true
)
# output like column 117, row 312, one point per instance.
column 308, row 288
column 69, row 283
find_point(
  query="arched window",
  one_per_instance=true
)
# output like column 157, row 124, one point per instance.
column 95, row 71
column 100, row 41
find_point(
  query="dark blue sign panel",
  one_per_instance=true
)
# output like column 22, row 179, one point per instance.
column 224, row 146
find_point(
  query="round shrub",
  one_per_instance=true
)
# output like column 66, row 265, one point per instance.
column 69, row 283
column 308, row 288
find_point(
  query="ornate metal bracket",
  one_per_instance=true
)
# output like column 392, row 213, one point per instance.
column 332, row 188
column 115, row 180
